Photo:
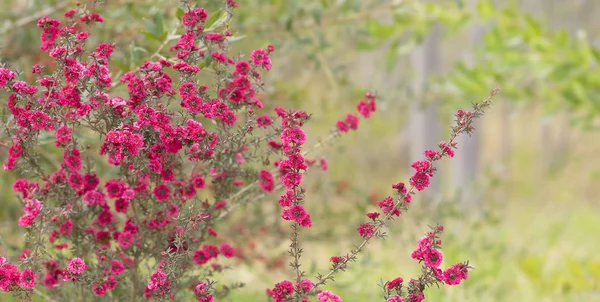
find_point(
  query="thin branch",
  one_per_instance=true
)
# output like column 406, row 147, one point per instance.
column 241, row 192
column 33, row 18
column 361, row 15
column 352, row 256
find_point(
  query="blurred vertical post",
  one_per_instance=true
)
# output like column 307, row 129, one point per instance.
column 466, row 161
column 555, row 146
column 424, row 121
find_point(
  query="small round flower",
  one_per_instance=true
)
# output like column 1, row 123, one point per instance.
column 420, row 181
column 421, row 166
column 452, row 276
column 298, row 214
column 366, row 230
column 189, row 18
column 352, row 121
column 433, row 258
column 266, row 181
column 212, row 251
column 27, row 279
column 342, row 126
column 394, row 283
column 327, row 296
column 200, row 257
column 162, row 192
column 99, row 289
column 263, row 121
column 227, row 250
column 305, row 285
column 76, row 266
column 117, row 267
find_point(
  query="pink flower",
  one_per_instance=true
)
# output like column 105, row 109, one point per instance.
column 27, row 279
column 227, row 250
column 200, row 257
column 162, row 192
column 394, row 283
column 282, row 290
column 455, row 274
column 116, row 267
column 431, row 154
column 352, row 121
column 366, row 230
column 287, row 198
column 342, row 126
column 189, row 19
column 114, row 188
column 323, row 164
column 76, row 266
column 420, row 181
column 298, row 214
column 387, row 206
column 421, row 166
column 293, row 135
column 291, row 179
column 94, row 197
column 305, row 285
column 327, row 296
column 433, row 258
column 447, row 150
column 395, row 299
column 266, row 181
column 415, row 297
column 263, row 121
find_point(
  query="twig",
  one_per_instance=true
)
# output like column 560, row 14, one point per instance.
column 28, row 19
column 37, row 291
column 164, row 44
column 262, row 195
column 326, row 22
column 342, row 265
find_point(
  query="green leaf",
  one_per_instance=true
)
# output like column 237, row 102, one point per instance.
column 179, row 13
column 120, row 64
column 212, row 19
column 150, row 36
column 138, row 48
column 380, row 31
column 236, row 38
column 596, row 54
column 391, row 56
column 151, row 26
column 485, row 9
column 160, row 27
column 363, row 45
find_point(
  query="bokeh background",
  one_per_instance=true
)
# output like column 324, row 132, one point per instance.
column 521, row 199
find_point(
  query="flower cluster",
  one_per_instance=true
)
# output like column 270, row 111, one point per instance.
column 11, row 278
column 428, row 253
column 365, row 108
column 291, row 169
column 428, row 247
column 147, row 225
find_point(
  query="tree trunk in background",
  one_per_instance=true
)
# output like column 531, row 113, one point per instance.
column 423, row 121
column 465, row 164
column 554, row 148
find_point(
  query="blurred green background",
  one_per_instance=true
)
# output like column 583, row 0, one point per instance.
column 520, row 200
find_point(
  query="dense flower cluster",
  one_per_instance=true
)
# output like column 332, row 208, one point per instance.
column 428, row 253
column 147, row 227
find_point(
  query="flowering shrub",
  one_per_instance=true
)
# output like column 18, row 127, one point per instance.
column 180, row 154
